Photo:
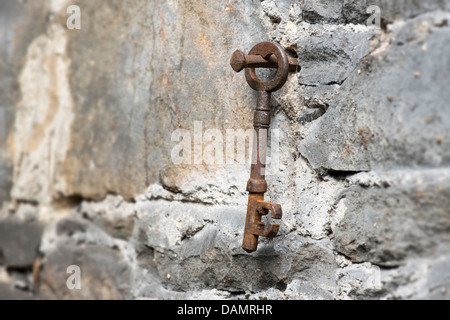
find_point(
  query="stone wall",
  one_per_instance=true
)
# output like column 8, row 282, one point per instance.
column 87, row 178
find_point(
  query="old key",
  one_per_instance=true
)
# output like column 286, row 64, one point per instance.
column 263, row 55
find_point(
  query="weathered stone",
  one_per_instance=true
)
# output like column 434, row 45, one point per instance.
column 385, row 226
column 361, row 281
column 70, row 226
column 349, row 11
column 213, row 294
column 5, row 181
column 419, row 279
column 113, row 215
column 277, row 10
column 22, row 278
column 315, row 109
column 322, row 11
column 332, row 54
column 40, row 140
column 202, row 248
column 19, row 242
column 314, row 197
column 87, row 116
column 355, row 11
column 103, row 274
column 296, row 290
column 223, row 184
column 21, row 23
column 363, row 130
column 123, row 114
column 7, row 292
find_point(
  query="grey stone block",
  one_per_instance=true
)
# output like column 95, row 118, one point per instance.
column 332, row 54
column 128, row 103
column 387, row 225
column 103, row 273
column 9, row 293
column 322, row 11
column 425, row 278
column 355, row 11
column 21, row 24
column 392, row 110
column 87, row 115
column 194, row 247
column 19, row 242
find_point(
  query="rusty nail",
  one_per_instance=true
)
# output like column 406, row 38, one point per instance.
column 240, row 61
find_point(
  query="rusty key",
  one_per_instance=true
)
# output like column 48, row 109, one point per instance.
column 263, row 55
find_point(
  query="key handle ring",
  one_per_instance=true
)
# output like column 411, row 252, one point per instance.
column 266, row 49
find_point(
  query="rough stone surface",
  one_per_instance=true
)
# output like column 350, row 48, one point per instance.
column 355, row 11
column 104, row 262
column 172, row 45
column 21, row 24
column 114, row 216
column 19, row 242
column 89, row 120
column 369, row 125
column 208, row 246
column 8, row 293
column 385, row 225
column 332, row 55
column 102, row 277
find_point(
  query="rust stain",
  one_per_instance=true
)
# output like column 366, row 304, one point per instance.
column 205, row 44
column 162, row 33
column 364, row 135
column 347, row 150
